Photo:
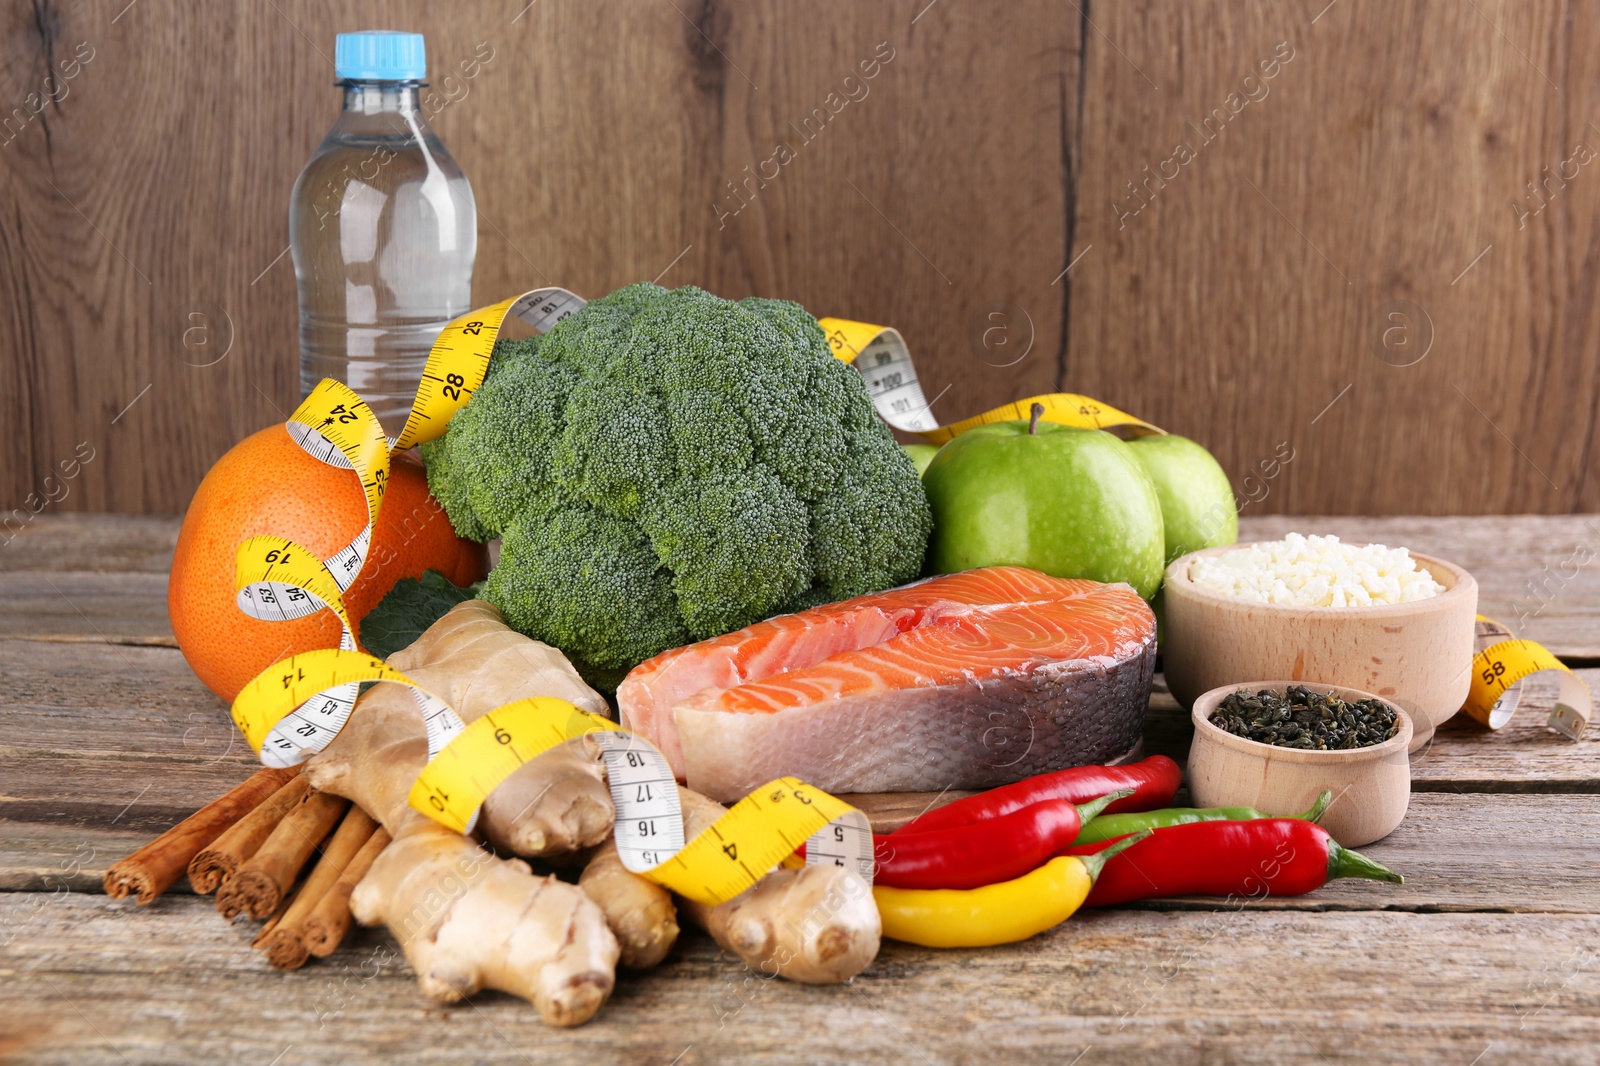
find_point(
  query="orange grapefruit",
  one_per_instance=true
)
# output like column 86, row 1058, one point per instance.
column 267, row 484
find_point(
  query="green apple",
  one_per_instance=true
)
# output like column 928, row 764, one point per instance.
column 1197, row 503
column 921, row 454
column 1071, row 502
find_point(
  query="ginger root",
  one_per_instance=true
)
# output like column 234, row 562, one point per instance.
column 816, row 925
column 465, row 919
column 552, row 809
column 558, row 803
column 640, row 912
column 468, row 920
column 555, row 805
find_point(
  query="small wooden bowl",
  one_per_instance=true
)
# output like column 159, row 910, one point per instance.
column 1371, row 786
column 1415, row 655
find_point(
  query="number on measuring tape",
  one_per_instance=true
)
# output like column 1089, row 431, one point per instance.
column 644, row 791
column 459, row 359
column 1500, row 667
column 298, row 705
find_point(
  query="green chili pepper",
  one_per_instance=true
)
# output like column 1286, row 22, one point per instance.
column 1111, row 826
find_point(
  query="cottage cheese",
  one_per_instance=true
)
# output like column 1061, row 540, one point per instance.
column 1300, row 571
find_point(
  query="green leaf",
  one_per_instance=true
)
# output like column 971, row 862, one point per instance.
column 406, row 610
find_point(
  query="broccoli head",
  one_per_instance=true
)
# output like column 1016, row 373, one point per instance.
column 666, row 466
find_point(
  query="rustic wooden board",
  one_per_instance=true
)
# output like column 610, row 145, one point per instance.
column 102, row 607
column 108, row 543
column 41, row 856
column 1484, row 954
column 1461, row 851
column 1523, row 756
column 118, row 714
column 1249, row 987
column 157, row 745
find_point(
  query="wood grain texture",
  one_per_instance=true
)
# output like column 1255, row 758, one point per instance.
column 127, row 717
column 1247, row 987
column 1240, row 293
column 157, row 745
column 107, row 543
column 1535, row 573
column 122, row 608
column 140, row 248
column 150, row 314
column 1523, row 756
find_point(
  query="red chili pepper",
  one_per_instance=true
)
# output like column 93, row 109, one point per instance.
column 1263, row 857
column 1154, row 782
column 984, row 853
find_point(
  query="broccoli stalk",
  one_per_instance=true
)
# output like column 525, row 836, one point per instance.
column 666, row 466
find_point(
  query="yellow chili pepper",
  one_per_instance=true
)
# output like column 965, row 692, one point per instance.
column 994, row 914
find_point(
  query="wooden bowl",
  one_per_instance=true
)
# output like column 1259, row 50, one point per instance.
column 1416, row 655
column 1371, row 786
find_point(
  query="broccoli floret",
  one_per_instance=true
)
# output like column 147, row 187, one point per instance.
column 666, row 466
column 614, row 447
column 590, row 339
column 737, row 544
column 519, row 410
column 450, row 480
column 857, row 528
column 589, row 584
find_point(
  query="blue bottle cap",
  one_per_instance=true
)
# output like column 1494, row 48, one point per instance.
column 380, row 55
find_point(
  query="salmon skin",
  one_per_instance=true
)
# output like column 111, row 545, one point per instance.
column 967, row 681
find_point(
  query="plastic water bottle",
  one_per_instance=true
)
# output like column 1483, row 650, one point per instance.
column 383, row 229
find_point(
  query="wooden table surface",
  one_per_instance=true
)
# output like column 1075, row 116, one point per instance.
column 1486, row 955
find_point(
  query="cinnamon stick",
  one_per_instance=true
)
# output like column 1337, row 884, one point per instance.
column 329, row 919
column 258, row 886
column 213, row 865
column 285, row 943
column 154, row 868
column 271, row 924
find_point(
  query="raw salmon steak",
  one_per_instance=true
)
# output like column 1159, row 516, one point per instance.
column 969, row 680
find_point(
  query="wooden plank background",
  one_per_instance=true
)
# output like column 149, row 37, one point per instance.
column 1266, row 207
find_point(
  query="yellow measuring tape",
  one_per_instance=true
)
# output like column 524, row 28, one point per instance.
column 278, row 579
column 1503, row 662
column 881, row 356
column 468, row 762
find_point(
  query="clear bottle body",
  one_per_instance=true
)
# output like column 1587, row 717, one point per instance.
column 383, row 229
